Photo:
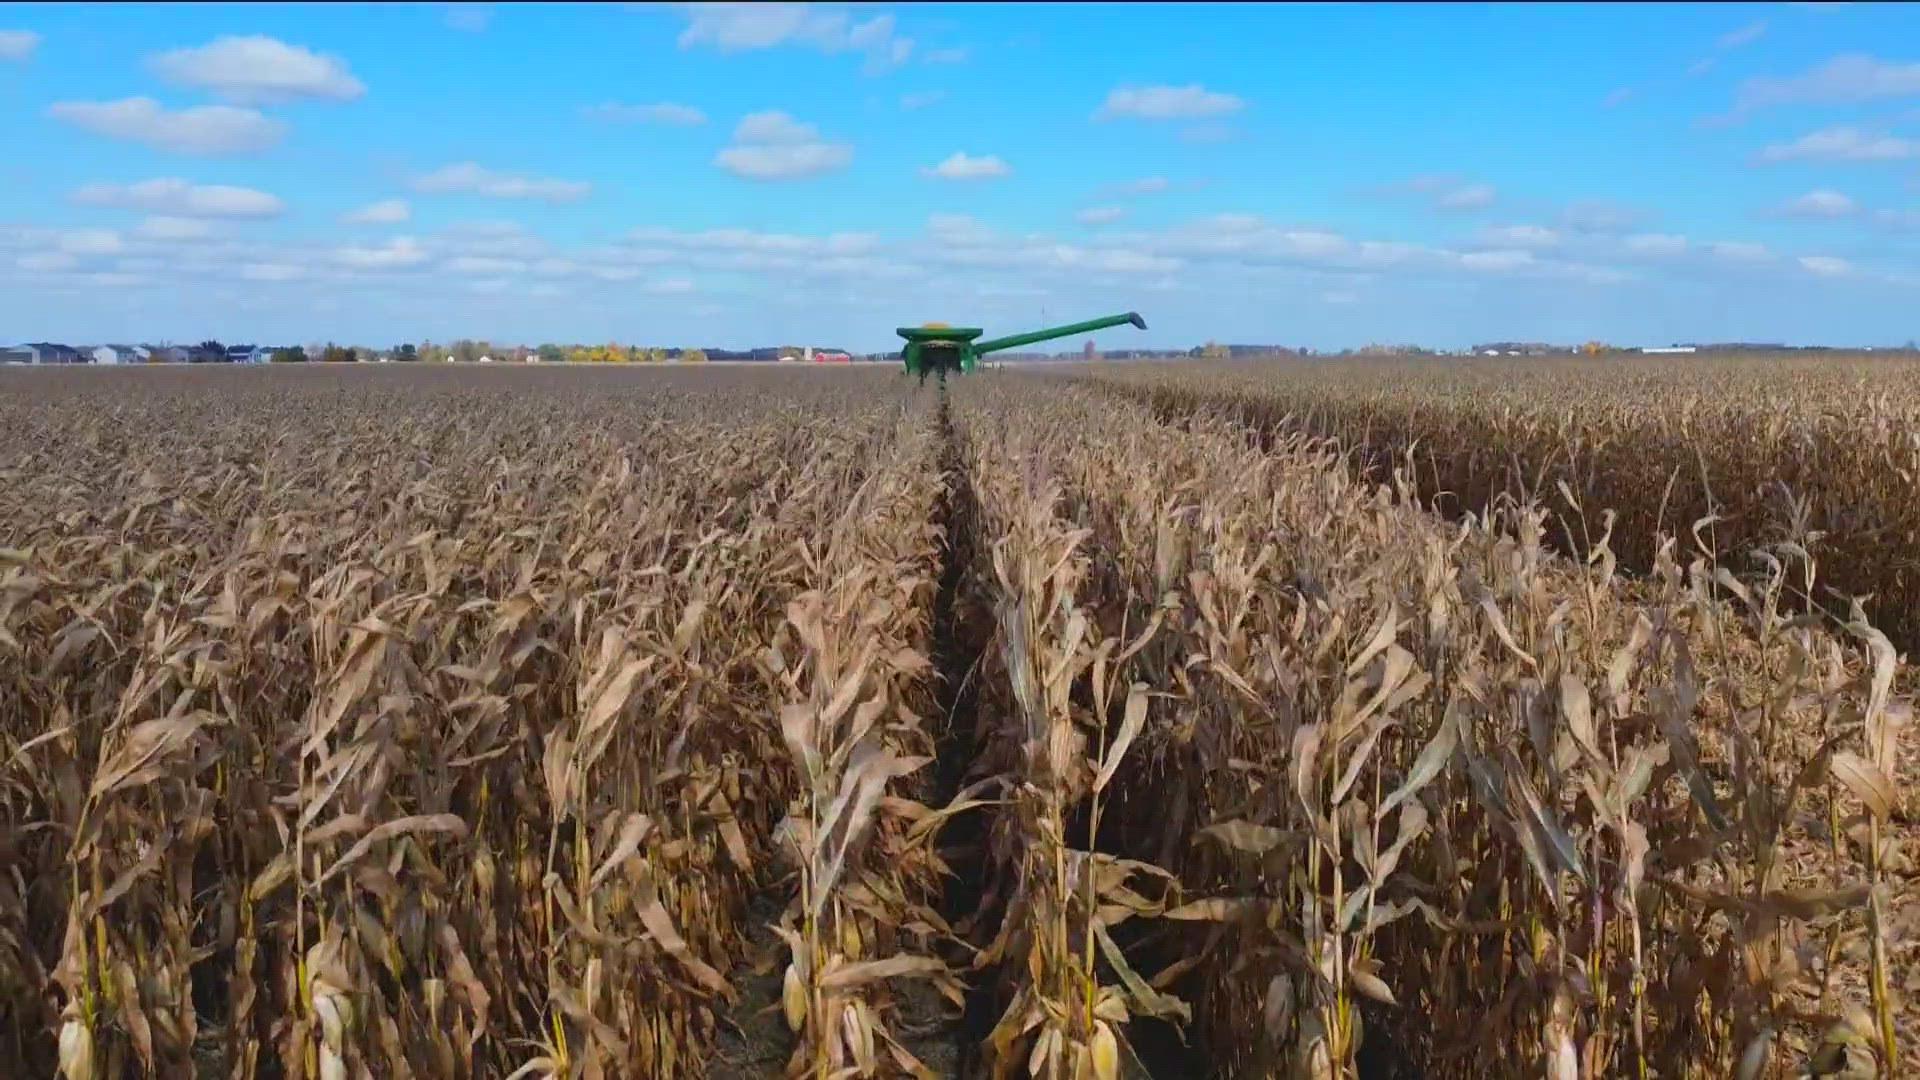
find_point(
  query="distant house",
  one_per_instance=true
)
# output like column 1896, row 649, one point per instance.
column 248, row 354
column 197, row 354
column 19, row 354
column 172, row 354
column 50, row 353
column 114, row 354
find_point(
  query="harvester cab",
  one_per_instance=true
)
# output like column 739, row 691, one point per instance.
column 936, row 348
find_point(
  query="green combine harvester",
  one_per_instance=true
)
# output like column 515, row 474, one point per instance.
column 936, row 348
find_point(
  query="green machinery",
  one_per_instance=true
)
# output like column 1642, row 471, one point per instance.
column 937, row 348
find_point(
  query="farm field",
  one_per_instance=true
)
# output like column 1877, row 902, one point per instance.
column 1772, row 447
column 1132, row 721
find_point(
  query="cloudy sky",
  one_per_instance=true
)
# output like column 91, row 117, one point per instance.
column 739, row 175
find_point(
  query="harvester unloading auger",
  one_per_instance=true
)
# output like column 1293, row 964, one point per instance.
column 936, row 348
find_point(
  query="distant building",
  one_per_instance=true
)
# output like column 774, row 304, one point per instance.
column 115, row 354
column 248, row 354
column 171, row 354
column 48, row 353
column 1671, row 349
column 19, row 354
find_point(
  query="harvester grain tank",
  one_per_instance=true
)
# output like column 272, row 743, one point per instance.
column 936, row 348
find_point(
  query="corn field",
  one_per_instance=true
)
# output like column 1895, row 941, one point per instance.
column 433, row 722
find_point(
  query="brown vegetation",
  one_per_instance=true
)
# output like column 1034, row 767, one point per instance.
column 466, row 722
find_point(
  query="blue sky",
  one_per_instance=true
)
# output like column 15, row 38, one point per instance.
column 735, row 175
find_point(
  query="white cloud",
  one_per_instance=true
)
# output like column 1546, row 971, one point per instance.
column 1742, row 250
column 18, row 44
column 1746, row 35
column 747, row 251
column 912, row 102
column 667, row 113
column 742, row 27
column 40, row 262
column 1618, row 97
column 92, row 242
column 401, row 251
column 946, row 56
column 1247, row 239
column 1826, row 265
column 1845, row 79
column 995, row 276
column 1100, row 215
column 1656, row 244
column 259, row 70
column 469, row 18
column 1532, row 236
column 1509, row 259
column 180, row 198
column 384, row 212
column 1898, row 219
column 777, row 162
column 960, row 166
column 957, row 228
column 470, row 178
column 1467, row 197
column 1821, row 203
column 482, row 264
column 1146, row 185
column 204, row 129
column 964, row 242
column 166, row 227
column 270, row 271
column 774, row 146
column 111, row 280
column 1449, row 193
column 1189, row 102
column 1600, row 216
column 1843, row 143
column 747, row 240
column 774, row 127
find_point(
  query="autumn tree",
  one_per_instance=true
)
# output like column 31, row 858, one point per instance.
column 693, row 356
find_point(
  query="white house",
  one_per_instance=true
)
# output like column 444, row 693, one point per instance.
column 102, row 354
